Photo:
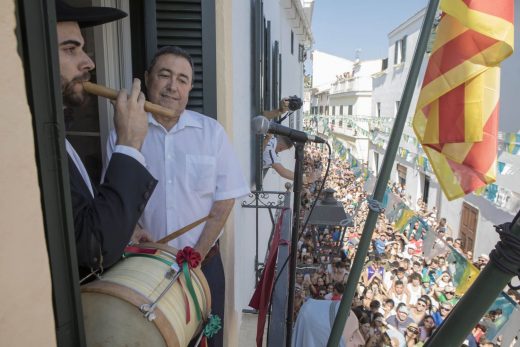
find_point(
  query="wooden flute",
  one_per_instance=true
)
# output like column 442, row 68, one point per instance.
column 111, row 94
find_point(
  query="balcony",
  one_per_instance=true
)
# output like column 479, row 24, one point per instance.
column 352, row 85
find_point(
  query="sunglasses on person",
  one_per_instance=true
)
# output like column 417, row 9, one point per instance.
column 449, row 293
column 445, row 308
column 421, row 303
column 413, row 330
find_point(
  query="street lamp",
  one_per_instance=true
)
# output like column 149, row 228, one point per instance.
column 329, row 211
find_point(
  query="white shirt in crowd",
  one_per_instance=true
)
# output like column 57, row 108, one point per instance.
column 195, row 166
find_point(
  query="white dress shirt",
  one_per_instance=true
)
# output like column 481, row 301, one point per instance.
column 196, row 166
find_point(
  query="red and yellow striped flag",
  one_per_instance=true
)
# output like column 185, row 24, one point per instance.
column 456, row 119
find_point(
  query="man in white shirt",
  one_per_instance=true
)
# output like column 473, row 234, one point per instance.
column 198, row 171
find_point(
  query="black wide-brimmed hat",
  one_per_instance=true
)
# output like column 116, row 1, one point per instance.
column 87, row 16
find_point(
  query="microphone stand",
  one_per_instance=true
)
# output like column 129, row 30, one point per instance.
column 297, row 187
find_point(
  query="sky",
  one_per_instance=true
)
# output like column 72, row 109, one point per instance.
column 340, row 27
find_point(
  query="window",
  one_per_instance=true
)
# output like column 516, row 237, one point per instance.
column 268, row 87
column 397, row 104
column 333, row 110
column 426, row 189
column 384, row 64
column 321, row 109
column 401, row 174
column 403, row 49
column 326, row 110
column 378, row 109
column 396, row 52
column 292, row 42
column 341, row 110
column 301, row 53
column 350, row 110
column 400, row 51
column 376, row 161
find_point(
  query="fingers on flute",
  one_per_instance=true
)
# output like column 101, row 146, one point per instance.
column 136, row 89
column 141, row 99
column 122, row 96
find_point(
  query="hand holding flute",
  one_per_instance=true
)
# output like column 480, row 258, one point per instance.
column 130, row 124
column 130, row 120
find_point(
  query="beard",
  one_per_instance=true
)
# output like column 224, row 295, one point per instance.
column 71, row 97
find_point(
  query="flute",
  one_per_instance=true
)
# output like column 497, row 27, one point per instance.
column 111, row 94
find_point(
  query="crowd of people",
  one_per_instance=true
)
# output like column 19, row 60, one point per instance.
column 402, row 295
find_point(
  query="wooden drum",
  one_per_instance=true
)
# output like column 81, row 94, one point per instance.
column 112, row 305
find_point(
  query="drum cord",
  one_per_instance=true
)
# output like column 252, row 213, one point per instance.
column 302, row 230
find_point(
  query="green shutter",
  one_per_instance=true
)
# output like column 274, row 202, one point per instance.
column 190, row 24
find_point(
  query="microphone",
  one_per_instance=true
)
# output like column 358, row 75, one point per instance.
column 262, row 125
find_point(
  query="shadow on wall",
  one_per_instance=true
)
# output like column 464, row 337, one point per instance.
column 489, row 211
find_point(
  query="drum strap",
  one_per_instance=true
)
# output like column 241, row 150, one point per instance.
column 183, row 230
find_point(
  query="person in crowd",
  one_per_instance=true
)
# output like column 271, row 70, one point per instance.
column 199, row 174
column 448, row 295
column 426, row 327
column 373, row 271
column 339, row 288
column 442, row 313
column 411, row 335
column 388, row 308
column 418, row 310
column 104, row 215
column 398, row 293
column 415, row 288
column 271, row 159
column 401, row 320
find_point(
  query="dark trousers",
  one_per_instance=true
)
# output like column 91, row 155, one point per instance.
column 214, row 272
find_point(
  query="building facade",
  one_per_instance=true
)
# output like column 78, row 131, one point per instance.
column 470, row 218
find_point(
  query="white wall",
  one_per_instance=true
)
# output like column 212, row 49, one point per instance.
column 242, row 112
column 27, row 315
column 389, row 85
column 325, row 67
column 292, row 84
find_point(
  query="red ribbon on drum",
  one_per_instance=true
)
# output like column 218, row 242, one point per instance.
column 188, row 258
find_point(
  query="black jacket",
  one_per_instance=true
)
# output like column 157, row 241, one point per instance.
column 103, row 225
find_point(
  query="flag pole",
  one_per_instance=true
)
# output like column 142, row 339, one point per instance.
column 474, row 303
column 382, row 182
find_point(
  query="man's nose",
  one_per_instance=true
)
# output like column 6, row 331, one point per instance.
column 171, row 85
column 87, row 63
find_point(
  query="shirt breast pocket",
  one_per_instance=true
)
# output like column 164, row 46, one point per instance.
column 201, row 173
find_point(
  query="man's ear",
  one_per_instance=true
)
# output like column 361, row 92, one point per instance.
column 146, row 79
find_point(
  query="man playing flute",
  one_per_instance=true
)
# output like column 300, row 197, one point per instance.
column 104, row 216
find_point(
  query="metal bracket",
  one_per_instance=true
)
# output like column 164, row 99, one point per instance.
column 260, row 199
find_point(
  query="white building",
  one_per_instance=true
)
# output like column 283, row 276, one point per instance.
column 326, row 67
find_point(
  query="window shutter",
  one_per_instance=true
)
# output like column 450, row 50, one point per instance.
column 276, row 75
column 403, row 49
column 190, row 24
column 396, row 52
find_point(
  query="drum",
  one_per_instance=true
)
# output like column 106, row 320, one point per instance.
column 115, row 306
